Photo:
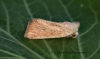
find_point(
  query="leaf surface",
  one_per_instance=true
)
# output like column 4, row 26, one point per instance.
column 15, row 15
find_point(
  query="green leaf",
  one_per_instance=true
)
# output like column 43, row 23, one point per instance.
column 15, row 15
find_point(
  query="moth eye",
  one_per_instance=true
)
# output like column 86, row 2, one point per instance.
column 73, row 35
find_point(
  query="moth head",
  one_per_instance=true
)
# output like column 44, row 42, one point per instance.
column 74, row 35
column 75, row 29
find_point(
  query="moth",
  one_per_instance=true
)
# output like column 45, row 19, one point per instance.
column 43, row 29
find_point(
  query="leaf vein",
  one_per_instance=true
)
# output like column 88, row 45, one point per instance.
column 7, row 15
column 62, row 49
column 66, row 10
column 12, row 54
column 94, row 51
column 80, row 47
column 21, row 44
column 50, row 50
column 27, row 8
column 95, row 22
column 48, row 12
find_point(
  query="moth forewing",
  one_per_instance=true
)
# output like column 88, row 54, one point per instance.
column 42, row 29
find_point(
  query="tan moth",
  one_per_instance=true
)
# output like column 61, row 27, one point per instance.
column 43, row 29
